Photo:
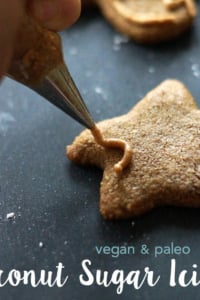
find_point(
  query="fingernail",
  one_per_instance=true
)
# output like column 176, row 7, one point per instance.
column 45, row 10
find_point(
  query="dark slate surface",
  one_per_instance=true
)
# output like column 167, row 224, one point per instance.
column 56, row 202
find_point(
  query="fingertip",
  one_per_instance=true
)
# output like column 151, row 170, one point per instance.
column 70, row 13
column 55, row 14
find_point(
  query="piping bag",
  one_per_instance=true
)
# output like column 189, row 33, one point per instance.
column 38, row 64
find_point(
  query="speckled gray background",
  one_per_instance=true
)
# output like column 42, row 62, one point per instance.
column 56, row 202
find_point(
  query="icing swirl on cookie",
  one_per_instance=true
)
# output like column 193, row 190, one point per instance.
column 114, row 143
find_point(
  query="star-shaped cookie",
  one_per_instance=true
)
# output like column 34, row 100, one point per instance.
column 163, row 131
column 148, row 21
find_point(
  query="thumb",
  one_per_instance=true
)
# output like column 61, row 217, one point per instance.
column 55, row 14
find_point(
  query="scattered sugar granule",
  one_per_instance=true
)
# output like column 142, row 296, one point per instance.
column 10, row 216
column 98, row 90
column 73, row 51
column 41, row 245
column 151, row 70
column 132, row 223
column 196, row 70
column 118, row 40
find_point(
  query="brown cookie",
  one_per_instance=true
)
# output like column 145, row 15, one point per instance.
column 148, row 21
column 163, row 131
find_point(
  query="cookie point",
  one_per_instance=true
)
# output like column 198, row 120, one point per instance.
column 71, row 152
column 68, row 149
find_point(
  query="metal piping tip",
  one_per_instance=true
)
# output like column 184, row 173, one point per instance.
column 59, row 88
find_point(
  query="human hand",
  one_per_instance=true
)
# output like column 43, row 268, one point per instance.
column 53, row 14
